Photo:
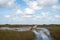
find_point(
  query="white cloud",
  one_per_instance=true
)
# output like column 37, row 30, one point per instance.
column 47, row 2
column 6, row 2
column 27, row 16
column 57, row 16
column 9, row 4
column 45, row 14
column 7, row 16
column 34, row 5
column 40, row 4
column 55, row 7
column 18, row 11
column 29, row 11
column 37, row 18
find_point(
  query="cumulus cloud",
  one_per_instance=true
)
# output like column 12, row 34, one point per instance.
column 43, row 15
column 9, row 4
column 40, row 4
column 28, row 11
column 34, row 5
column 7, row 16
column 57, row 16
column 56, row 7
column 47, row 2
column 18, row 11
column 27, row 16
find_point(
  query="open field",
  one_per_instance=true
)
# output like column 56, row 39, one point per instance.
column 29, row 35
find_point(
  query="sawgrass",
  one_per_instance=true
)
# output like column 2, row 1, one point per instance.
column 55, row 33
column 15, row 35
column 29, row 35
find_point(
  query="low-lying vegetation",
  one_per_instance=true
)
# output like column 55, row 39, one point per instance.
column 28, row 35
column 15, row 35
column 55, row 33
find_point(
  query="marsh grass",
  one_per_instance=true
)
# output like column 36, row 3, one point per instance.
column 14, row 35
column 55, row 33
column 28, row 35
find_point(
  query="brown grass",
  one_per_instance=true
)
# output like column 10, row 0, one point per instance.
column 29, row 35
column 55, row 32
column 14, row 35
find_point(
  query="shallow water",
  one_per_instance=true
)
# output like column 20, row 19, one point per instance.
column 16, row 29
column 42, row 34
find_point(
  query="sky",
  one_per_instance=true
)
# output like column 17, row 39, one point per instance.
column 29, row 11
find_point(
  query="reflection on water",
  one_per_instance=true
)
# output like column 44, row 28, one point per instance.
column 16, row 29
column 41, row 33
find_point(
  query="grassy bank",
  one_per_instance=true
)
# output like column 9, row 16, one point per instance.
column 55, row 32
column 14, row 35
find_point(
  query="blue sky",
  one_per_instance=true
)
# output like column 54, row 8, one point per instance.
column 29, row 11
